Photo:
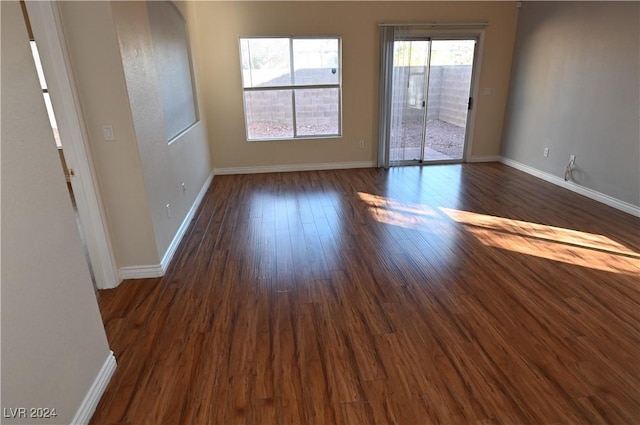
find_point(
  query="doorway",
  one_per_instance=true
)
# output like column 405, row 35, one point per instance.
column 46, row 31
column 68, row 172
column 430, row 99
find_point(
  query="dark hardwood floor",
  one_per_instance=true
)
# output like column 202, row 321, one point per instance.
column 458, row 294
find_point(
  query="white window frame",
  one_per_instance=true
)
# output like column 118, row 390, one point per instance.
column 293, row 88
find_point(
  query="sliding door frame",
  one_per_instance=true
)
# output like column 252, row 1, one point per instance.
column 434, row 33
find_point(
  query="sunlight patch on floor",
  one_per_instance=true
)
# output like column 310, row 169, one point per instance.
column 553, row 243
column 389, row 211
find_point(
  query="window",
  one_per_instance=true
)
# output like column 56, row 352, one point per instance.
column 45, row 93
column 292, row 87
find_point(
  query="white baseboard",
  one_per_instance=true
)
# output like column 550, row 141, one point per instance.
column 141, row 272
column 295, row 167
column 589, row 193
column 171, row 250
column 97, row 389
column 158, row 270
column 485, row 158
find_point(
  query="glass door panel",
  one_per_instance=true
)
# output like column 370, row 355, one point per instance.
column 450, row 75
column 410, row 75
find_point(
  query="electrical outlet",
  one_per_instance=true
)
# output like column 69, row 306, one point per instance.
column 168, row 210
column 546, row 152
column 361, row 144
column 107, row 132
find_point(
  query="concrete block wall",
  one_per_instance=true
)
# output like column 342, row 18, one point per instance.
column 448, row 97
column 317, row 107
column 448, row 93
column 435, row 93
column 314, row 107
column 454, row 101
column 268, row 106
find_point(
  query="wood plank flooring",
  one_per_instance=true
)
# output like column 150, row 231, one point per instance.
column 458, row 294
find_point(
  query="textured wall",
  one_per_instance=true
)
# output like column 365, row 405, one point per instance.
column 173, row 65
column 53, row 342
column 111, row 48
column 575, row 89
column 165, row 166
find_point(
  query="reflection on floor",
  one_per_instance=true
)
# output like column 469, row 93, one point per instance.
column 457, row 294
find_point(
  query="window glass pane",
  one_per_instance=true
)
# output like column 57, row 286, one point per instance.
column 266, row 62
column 452, row 52
column 52, row 119
column 36, row 59
column 271, row 66
column 317, row 112
column 316, row 61
column 269, row 114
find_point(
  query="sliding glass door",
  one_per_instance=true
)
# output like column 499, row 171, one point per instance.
column 430, row 99
column 409, row 97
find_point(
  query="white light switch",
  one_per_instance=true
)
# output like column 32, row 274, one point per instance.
column 107, row 132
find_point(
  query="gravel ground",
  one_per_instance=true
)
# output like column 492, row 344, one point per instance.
column 443, row 137
column 270, row 130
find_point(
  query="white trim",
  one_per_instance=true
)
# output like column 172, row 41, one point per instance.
column 485, row 158
column 141, row 272
column 296, row 167
column 97, row 389
column 171, row 250
column 47, row 29
column 474, row 92
column 589, row 193
column 159, row 270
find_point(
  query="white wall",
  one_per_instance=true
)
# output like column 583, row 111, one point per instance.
column 171, row 56
column 95, row 58
column 575, row 89
column 165, row 166
column 53, row 341
column 111, row 51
